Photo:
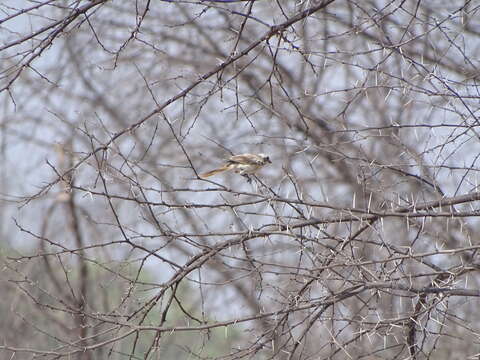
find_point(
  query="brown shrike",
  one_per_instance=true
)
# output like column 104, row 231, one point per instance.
column 243, row 164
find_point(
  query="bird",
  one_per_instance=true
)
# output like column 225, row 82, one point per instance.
column 243, row 164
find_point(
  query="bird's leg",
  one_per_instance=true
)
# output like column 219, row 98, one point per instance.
column 249, row 180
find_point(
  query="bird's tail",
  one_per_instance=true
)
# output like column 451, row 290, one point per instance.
column 214, row 172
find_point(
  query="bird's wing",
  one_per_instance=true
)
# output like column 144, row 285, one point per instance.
column 247, row 159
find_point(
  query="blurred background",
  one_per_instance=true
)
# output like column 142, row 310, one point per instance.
column 359, row 241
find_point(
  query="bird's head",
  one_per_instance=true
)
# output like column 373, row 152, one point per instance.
column 265, row 158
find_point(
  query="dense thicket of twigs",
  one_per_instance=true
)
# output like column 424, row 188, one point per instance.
column 360, row 241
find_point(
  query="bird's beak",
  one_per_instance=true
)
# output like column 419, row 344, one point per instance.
column 269, row 161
